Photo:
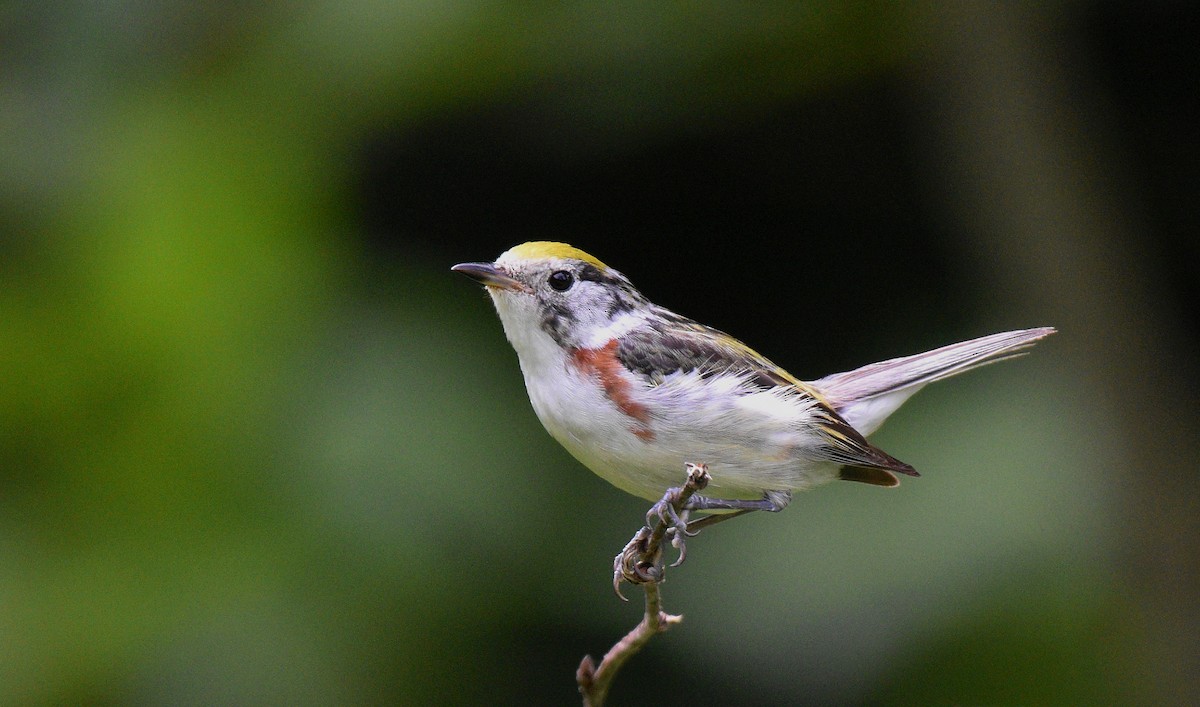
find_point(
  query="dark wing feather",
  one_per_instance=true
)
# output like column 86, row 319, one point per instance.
column 848, row 447
column 677, row 344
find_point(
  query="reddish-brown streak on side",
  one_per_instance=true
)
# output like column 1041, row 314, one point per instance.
column 603, row 364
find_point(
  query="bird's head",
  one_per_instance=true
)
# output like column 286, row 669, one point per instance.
column 556, row 290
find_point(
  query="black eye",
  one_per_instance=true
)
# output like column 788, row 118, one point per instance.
column 561, row 280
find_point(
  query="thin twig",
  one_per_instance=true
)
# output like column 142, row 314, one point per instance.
column 641, row 563
column 594, row 682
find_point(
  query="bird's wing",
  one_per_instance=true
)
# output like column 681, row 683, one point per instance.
column 660, row 348
column 681, row 345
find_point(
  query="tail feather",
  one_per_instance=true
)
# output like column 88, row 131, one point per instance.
column 866, row 396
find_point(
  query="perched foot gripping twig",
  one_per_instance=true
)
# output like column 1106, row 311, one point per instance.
column 641, row 563
column 641, row 560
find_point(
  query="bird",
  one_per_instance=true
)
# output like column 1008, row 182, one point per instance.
column 635, row 391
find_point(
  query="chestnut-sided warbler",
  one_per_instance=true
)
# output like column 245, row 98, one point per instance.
column 635, row 391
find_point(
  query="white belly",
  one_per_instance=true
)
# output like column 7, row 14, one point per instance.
column 752, row 442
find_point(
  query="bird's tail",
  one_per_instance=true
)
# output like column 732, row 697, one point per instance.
column 866, row 396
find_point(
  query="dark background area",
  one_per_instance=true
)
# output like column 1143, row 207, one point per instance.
column 770, row 205
column 258, row 444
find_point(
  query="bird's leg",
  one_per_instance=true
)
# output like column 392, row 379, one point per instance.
column 703, row 522
column 772, row 502
column 641, row 559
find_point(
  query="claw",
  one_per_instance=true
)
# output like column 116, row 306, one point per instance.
column 678, row 543
column 635, row 565
column 618, row 576
column 676, row 522
column 639, row 562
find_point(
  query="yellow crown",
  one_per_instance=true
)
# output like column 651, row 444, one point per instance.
column 539, row 250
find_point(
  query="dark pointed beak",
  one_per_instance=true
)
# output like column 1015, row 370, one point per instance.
column 490, row 275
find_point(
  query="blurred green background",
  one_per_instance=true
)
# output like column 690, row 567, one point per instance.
column 258, row 445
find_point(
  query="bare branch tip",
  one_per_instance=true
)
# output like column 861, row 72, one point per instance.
column 585, row 675
column 698, row 476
